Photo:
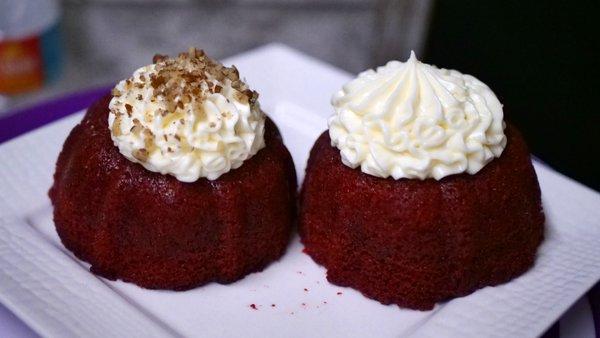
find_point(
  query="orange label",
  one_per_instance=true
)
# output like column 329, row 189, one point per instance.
column 20, row 65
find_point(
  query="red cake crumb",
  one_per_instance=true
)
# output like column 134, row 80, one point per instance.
column 272, row 305
column 339, row 293
column 416, row 242
column 305, row 289
column 253, row 306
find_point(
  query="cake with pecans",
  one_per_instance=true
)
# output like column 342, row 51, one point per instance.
column 419, row 192
column 175, row 179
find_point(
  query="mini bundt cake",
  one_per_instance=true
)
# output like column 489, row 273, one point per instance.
column 409, row 203
column 176, row 179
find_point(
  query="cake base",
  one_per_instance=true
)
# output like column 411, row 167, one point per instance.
column 418, row 242
column 160, row 233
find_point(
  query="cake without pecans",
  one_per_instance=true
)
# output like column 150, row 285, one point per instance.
column 419, row 192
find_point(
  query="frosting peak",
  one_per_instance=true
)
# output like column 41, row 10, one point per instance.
column 189, row 117
column 413, row 120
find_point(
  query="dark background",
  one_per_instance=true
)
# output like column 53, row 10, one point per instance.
column 540, row 59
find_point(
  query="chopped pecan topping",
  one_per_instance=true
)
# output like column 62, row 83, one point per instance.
column 141, row 155
column 158, row 58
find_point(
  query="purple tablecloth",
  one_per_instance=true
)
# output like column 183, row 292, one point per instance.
column 24, row 120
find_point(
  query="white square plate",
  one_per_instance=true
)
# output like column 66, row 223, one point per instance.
column 55, row 294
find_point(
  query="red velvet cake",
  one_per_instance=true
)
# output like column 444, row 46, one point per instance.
column 415, row 243
column 168, row 230
column 417, row 239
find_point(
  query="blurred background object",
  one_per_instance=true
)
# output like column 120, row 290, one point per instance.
column 539, row 57
column 106, row 39
column 29, row 45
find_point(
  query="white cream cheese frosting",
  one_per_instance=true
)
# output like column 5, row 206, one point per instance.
column 413, row 120
column 189, row 117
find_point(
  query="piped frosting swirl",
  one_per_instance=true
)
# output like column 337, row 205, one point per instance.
column 413, row 120
column 189, row 117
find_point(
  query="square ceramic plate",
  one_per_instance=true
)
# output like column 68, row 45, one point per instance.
column 55, row 294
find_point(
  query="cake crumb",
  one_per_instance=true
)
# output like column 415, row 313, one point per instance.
column 253, row 306
column 339, row 293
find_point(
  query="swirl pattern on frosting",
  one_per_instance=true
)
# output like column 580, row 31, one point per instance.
column 413, row 120
column 189, row 117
